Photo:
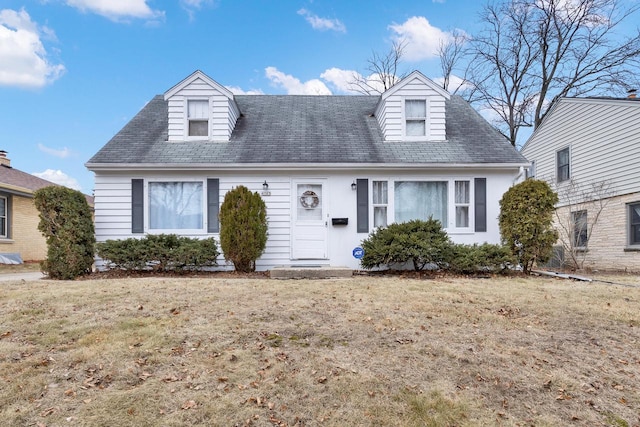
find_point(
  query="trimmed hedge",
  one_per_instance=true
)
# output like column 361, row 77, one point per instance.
column 161, row 252
column 425, row 245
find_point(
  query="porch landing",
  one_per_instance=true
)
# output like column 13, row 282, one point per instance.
column 309, row 272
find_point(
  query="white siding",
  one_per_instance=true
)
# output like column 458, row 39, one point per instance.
column 390, row 111
column 223, row 111
column 604, row 140
column 113, row 206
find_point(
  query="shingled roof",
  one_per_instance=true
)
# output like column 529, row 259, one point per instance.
column 297, row 129
column 17, row 181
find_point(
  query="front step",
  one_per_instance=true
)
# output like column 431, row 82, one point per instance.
column 309, row 272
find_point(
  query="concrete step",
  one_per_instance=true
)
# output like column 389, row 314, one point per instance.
column 309, row 272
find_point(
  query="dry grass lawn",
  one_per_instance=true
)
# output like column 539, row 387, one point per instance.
column 373, row 351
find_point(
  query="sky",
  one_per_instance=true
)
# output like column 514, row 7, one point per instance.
column 74, row 72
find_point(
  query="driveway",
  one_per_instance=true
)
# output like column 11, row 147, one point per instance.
column 12, row 277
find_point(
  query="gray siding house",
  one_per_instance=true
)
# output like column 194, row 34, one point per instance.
column 588, row 149
column 330, row 168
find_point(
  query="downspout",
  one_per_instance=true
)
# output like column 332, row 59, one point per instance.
column 520, row 173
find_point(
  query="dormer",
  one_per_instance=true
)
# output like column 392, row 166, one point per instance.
column 413, row 110
column 201, row 109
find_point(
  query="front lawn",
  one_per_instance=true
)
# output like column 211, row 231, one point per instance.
column 386, row 351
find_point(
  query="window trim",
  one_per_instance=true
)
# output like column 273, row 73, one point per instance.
column 568, row 165
column 575, row 234
column 5, row 234
column 466, row 204
column 187, row 120
column 629, row 225
column 379, row 205
column 405, row 118
column 182, row 231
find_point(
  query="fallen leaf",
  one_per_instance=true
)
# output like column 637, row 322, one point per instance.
column 322, row 380
column 189, row 404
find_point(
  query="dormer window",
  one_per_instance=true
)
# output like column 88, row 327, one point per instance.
column 415, row 114
column 198, row 117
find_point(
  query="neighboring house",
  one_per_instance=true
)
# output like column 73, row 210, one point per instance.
column 330, row 168
column 588, row 149
column 18, row 215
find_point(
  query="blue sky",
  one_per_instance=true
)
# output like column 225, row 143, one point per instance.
column 74, row 72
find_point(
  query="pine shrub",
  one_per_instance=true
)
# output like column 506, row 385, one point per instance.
column 67, row 225
column 526, row 221
column 422, row 243
column 162, row 252
column 243, row 228
column 485, row 258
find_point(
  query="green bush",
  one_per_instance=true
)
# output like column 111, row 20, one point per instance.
column 67, row 225
column 243, row 228
column 423, row 243
column 162, row 252
column 485, row 258
column 526, row 221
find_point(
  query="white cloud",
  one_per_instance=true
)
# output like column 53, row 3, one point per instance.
column 456, row 84
column 59, row 177
column 343, row 81
column 191, row 6
column 420, row 37
column 63, row 154
column 117, row 10
column 293, row 85
column 322, row 24
column 239, row 91
column 23, row 58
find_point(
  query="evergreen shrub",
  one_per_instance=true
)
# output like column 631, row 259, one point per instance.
column 66, row 223
column 243, row 228
column 526, row 222
column 159, row 252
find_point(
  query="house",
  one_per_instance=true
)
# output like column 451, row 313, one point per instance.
column 20, row 238
column 588, row 149
column 330, row 168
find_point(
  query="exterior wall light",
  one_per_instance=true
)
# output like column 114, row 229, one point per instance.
column 354, row 186
column 265, row 189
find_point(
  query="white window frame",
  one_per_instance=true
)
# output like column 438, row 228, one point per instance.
column 629, row 226
column 466, row 204
column 406, row 118
column 379, row 205
column 4, row 233
column 187, row 119
column 575, row 215
column 450, row 227
column 179, row 231
column 568, row 179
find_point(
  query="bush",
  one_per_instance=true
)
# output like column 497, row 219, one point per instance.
column 243, row 228
column 163, row 252
column 485, row 258
column 67, row 225
column 526, row 221
column 424, row 243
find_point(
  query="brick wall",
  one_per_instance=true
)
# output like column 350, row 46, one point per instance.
column 608, row 241
column 25, row 237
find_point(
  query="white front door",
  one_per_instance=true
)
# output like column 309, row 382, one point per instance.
column 308, row 209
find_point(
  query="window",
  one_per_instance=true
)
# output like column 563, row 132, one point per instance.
column 462, row 203
column 175, row 205
column 198, row 117
column 563, row 165
column 380, row 201
column 531, row 170
column 415, row 112
column 634, row 224
column 580, row 233
column 420, row 200
column 4, row 217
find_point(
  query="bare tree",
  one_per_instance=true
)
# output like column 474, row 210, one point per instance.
column 577, row 220
column 450, row 52
column 533, row 51
column 381, row 73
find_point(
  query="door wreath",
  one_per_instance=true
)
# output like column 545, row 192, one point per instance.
column 309, row 199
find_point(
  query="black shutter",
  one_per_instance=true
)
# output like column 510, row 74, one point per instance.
column 362, row 205
column 481, row 204
column 213, row 205
column 137, row 206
